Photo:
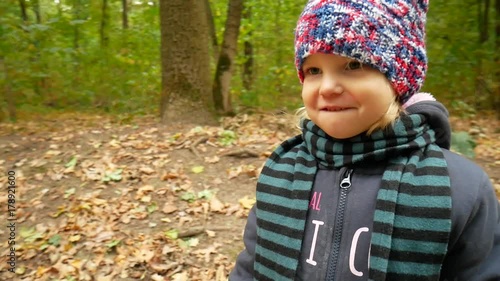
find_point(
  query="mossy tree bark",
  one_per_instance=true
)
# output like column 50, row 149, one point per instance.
column 185, row 61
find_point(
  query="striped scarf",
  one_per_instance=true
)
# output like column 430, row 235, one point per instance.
column 412, row 219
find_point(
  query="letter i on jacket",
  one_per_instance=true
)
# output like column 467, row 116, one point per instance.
column 369, row 190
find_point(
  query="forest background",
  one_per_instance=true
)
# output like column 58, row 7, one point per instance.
column 133, row 132
column 105, row 55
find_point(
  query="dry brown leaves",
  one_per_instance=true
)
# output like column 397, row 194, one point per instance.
column 102, row 199
column 99, row 200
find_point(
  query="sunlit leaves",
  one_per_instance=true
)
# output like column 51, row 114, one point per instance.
column 30, row 235
column 227, row 137
column 115, row 175
column 172, row 233
column 55, row 240
column 72, row 162
column 188, row 196
column 197, row 169
column 113, row 243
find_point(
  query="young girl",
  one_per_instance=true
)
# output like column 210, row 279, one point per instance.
column 366, row 192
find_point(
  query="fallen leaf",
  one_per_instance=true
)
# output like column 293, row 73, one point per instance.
column 191, row 242
column 169, row 208
column 233, row 172
column 246, row 202
column 69, row 192
column 152, row 207
column 74, row 238
column 180, row 276
column 147, row 170
column 144, row 255
column 172, row 233
column 113, row 243
column 170, row 176
column 216, row 205
column 72, row 162
column 156, row 277
column 188, row 196
column 207, row 194
column 125, row 218
column 20, row 270
column 197, row 169
column 212, row 160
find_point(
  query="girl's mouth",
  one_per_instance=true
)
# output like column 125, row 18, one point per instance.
column 334, row 108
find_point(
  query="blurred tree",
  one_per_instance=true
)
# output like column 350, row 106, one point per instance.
column 483, row 23
column 104, row 23
column 8, row 94
column 185, row 61
column 247, row 72
column 211, row 28
column 124, row 14
column 24, row 14
column 496, row 60
column 225, row 64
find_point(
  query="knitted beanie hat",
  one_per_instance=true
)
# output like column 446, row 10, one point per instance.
column 385, row 34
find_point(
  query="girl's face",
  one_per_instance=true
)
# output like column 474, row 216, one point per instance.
column 342, row 96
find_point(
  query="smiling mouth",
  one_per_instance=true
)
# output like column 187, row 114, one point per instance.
column 334, row 108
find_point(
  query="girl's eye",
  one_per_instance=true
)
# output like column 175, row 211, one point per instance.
column 313, row 71
column 353, row 65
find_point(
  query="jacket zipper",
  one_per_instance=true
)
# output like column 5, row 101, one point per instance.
column 345, row 185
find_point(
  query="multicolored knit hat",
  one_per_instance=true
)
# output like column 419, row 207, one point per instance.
column 385, row 34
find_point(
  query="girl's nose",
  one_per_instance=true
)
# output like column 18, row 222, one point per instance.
column 330, row 86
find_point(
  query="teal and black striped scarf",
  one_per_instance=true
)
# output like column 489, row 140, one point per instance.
column 412, row 218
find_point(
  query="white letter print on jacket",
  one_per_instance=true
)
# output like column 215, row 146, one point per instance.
column 314, row 204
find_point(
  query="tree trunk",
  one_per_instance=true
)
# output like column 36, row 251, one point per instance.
column 185, row 61
column 36, row 9
column 124, row 14
column 77, row 9
column 247, row 73
column 104, row 23
column 496, row 86
column 211, row 29
column 41, row 83
column 8, row 94
column 481, row 87
column 279, row 50
column 59, row 9
column 76, row 32
column 222, row 83
column 24, row 14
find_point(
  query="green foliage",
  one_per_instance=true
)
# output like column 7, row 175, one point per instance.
column 456, row 58
column 227, row 137
column 188, row 196
column 113, row 243
column 59, row 63
column 463, row 143
column 115, row 175
column 55, row 240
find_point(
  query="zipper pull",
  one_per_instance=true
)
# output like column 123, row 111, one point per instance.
column 346, row 181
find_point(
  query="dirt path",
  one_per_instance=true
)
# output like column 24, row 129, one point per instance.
column 119, row 199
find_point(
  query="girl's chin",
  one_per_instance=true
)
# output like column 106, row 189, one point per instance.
column 340, row 130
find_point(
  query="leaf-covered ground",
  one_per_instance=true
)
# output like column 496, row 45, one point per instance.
column 101, row 198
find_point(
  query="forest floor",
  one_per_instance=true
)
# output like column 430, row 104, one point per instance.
column 108, row 198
